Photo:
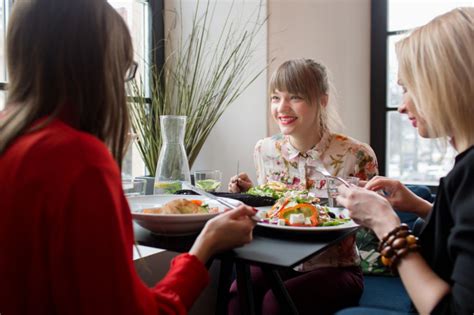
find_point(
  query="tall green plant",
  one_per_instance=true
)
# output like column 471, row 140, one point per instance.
column 199, row 79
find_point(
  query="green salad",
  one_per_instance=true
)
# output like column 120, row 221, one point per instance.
column 208, row 184
column 275, row 190
column 168, row 187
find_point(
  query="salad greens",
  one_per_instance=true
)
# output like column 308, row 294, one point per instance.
column 275, row 190
column 302, row 203
column 168, row 187
column 208, row 184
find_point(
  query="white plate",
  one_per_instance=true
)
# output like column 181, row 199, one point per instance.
column 312, row 229
column 171, row 224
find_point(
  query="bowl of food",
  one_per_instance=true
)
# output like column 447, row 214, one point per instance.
column 174, row 214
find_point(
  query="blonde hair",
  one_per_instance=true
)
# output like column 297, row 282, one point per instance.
column 436, row 65
column 309, row 80
column 68, row 57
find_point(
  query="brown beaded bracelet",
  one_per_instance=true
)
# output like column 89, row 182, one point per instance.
column 396, row 244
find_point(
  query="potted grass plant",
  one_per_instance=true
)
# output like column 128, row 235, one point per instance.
column 205, row 70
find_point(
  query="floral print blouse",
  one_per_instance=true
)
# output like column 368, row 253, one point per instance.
column 277, row 160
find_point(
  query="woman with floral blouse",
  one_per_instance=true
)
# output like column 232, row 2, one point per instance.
column 299, row 91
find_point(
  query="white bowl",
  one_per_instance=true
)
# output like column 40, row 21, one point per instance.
column 171, row 224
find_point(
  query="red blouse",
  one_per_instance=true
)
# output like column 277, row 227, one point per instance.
column 66, row 234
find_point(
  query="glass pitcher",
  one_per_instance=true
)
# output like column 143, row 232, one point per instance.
column 172, row 168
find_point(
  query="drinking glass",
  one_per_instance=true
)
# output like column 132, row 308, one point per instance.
column 333, row 183
column 134, row 186
column 208, row 180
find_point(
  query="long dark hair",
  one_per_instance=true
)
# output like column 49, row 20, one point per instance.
column 68, row 56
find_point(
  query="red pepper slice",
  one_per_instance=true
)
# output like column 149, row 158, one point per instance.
column 307, row 209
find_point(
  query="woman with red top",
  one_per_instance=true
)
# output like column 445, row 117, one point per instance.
column 66, row 233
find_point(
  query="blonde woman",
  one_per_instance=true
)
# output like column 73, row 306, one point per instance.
column 436, row 71
column 66, row 232
column 299, row 100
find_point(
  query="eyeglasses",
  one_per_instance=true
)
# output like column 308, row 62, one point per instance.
column 132, row 70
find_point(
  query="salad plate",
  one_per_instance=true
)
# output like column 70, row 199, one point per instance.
column 273, row 190
column 172, row 224
column 339, row 212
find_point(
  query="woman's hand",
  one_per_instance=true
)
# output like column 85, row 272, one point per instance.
column 240, row 183
column 227, row 230
column 368, row 209
column 399, row 196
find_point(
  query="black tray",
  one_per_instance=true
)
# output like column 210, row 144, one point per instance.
column 251, row 200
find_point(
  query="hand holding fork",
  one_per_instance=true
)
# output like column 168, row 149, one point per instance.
column 240, row 182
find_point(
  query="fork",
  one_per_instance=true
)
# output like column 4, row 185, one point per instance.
column 324, row 172
column 219, row 200
column 237, row 173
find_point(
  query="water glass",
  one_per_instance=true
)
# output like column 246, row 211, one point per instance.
column 332, row 185
column 208, row 180
column 134, row 186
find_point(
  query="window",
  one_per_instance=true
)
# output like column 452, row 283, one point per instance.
column 136, row 15
column 402, row 153
column 4, row 13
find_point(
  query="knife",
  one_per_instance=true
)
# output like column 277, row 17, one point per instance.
column 213, row 197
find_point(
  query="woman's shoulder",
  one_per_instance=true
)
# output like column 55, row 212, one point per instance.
column 466, row 157
column 272, row 139
column 270, row 142
column 352, row 144
column 54, row 155
column 359, row 157
column 463, row 167
column 342, row 138
column 61, row 144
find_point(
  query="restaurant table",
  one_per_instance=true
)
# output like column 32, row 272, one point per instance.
column 270, row 249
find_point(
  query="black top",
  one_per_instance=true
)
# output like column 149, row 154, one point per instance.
column 447, row 238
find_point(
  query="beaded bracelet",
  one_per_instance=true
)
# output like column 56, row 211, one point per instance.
column 396, row 244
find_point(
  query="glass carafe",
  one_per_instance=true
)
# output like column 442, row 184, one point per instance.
column 173, row 167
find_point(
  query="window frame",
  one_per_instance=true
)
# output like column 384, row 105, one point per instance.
column 157, row 43
column 7, row 5
column 378, row 78
column 379, row 35
column 157, row 8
